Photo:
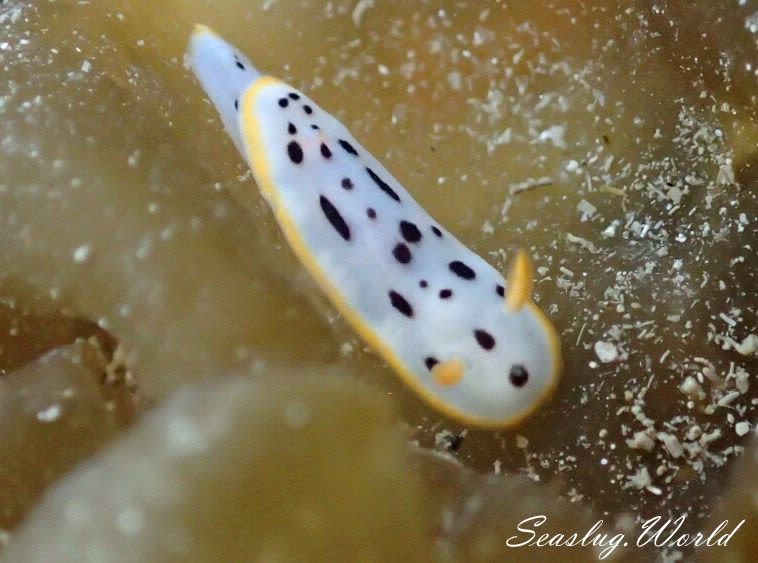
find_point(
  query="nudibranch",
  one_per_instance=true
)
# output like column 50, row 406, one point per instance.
column 469, row 342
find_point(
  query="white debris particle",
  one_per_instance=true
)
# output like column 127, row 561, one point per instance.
column 530, row 184
column 728, row 398
column 693, row 433
column 672, row 444
column 554, row 134
column 727, row 319
column 640, row 480
column 360, row 9
column 50, row 414
column 586, row 209
column 82, row 253
column 86, row 66
column 653, row 489
column 583, row 243
column 691, row 388
column 497, row 466
column 133, row 158
column 606, row 351
column 675, row 195
column 455, row 80
column 521, row 442
column 710, row 437
column 725, row 174
column 742, row 380
column 742, row 428
column 749, row 346
column 346, row 349
column 641, row 441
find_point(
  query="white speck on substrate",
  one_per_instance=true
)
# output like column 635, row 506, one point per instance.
column 742, row 428
column 554, row 134
column 586, row 209
column 50, row 414
column 359, row 10
column 641, row 441
column 133, row 158
column 691, row 388
column 672, row 444
column 606, row 351
column 82, row 253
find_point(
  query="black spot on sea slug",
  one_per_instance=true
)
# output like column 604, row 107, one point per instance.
column 291, row 129
column 402, row 253
column 410, row 231
column 423, row 284
column 446, row 293
column 347, row 183
column 314, row 127
column 335, row 218
column 371, row 213
column 431, row 362
column 283, row 102
column 461, row 270
column 307, row 109
column 325, row 151
column 295, row 152
column 518, row 375
column 383, row 185
column 240, row 65
column 436, row 231
column 294, row 96
column 400, row 303
column 484, row 339
column 236, row 104
column 500, row 290
column 348, row 147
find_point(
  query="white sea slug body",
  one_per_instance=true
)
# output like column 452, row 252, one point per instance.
column 472, row 345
